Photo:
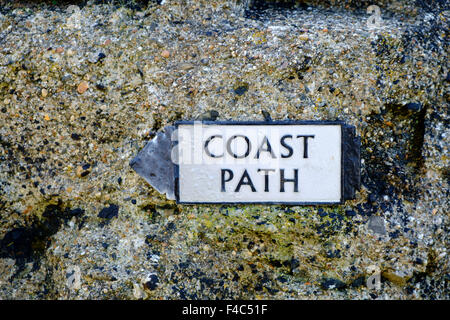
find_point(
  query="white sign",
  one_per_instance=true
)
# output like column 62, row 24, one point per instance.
column 292, row 163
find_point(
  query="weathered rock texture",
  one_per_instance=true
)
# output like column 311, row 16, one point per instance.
column 83, row 88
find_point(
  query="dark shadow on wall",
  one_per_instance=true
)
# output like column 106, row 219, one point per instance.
column 28, row 243
column 394, row 169
column 256, row 7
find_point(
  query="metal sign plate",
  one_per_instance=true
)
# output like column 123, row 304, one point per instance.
column 261, row 162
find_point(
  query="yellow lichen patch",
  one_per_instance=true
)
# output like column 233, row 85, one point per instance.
column 394, row 278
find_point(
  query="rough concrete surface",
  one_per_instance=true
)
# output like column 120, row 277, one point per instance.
column 84, row 85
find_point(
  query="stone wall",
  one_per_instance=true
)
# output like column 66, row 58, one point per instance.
column 83, row 88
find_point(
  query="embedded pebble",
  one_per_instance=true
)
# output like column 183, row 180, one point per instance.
column 165, row 54
column 82, row 87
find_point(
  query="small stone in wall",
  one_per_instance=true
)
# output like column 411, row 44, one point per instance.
column 109, row 212
column 82, row 87
column 376, row 224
